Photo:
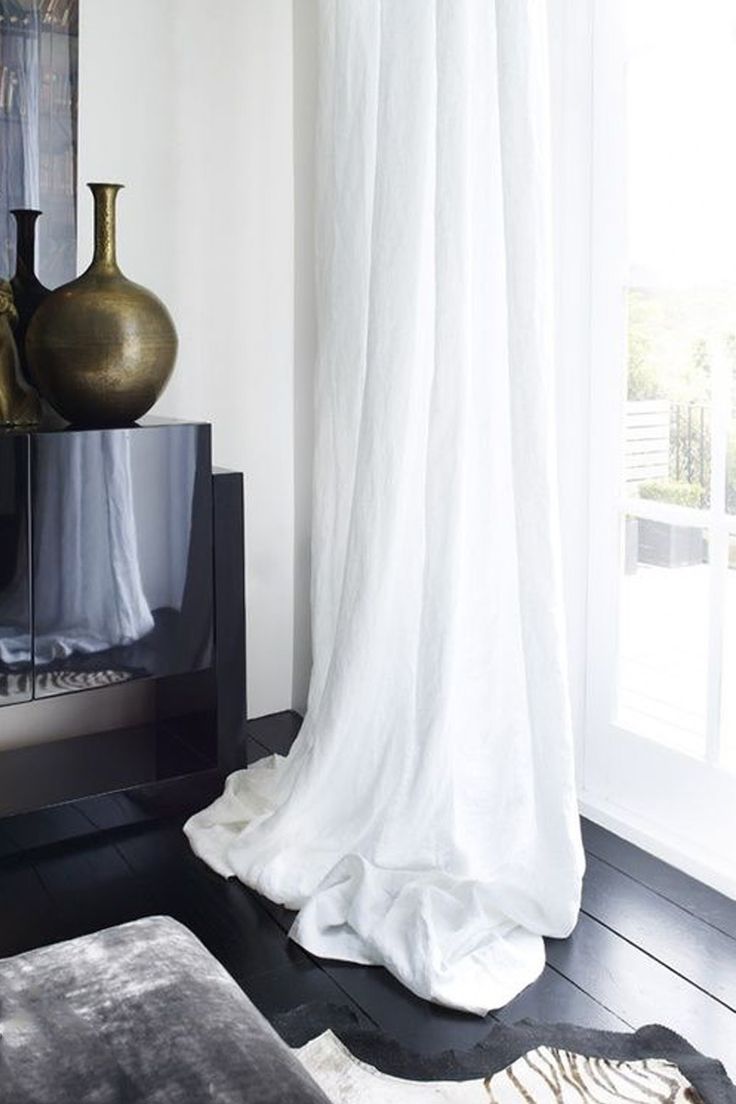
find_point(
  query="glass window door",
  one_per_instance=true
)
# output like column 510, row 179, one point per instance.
column 660, row 760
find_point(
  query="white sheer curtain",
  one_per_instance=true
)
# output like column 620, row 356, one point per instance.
column 426, row 817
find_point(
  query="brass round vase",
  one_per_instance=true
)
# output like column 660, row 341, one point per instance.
column 101, row 349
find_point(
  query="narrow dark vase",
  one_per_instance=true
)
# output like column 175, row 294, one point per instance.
column 28, row 291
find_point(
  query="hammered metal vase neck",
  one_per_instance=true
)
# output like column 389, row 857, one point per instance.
column 105, row 196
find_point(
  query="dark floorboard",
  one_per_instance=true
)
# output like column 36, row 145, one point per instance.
column 639, row 989
column 276, row 732
column 678, row 939
column 687, row 893
column 652, row 944
column 555, row 998
column 416, row 1024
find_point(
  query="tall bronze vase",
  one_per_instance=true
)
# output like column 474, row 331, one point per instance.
column 102, row 348
column 28, row 291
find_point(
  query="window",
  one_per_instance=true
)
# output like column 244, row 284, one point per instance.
column 661, row 748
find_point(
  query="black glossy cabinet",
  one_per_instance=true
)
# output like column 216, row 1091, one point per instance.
column 121, row 558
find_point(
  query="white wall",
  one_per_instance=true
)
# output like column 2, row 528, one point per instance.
column 190, row 105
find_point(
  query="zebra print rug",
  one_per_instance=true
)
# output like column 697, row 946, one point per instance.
column 523, row 1063
column 546, row 1075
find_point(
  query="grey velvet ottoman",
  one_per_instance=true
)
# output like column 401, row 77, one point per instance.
column 141, row 1012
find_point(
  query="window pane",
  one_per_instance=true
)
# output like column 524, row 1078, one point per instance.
column 680, row 156
column 663, row 633
column 728, row 690
column 673, row 338
column 681, row 241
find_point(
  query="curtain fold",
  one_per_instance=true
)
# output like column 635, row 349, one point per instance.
column 426, row 818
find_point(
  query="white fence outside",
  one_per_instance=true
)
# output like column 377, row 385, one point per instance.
column 647, row 441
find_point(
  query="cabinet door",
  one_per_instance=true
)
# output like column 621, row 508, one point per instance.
column 122, row 555
column 16, row 683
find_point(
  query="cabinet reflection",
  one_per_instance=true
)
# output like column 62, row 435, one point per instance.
column 122, row 572
column 16, row 683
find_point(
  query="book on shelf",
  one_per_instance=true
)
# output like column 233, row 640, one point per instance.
column 55, row 15
column 60, row 13
column 8, row 89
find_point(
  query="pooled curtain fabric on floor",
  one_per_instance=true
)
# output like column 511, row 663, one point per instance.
column 426, row 817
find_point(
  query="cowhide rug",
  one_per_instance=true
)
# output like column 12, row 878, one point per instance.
column 525, row 1063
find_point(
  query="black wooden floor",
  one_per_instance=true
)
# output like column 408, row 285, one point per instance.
column 652, row 945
